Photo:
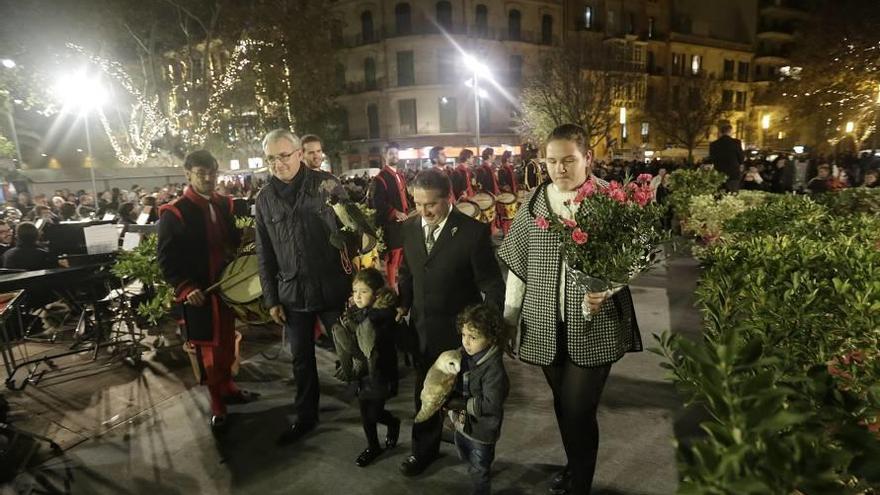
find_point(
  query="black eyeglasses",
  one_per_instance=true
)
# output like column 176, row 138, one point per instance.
column 281, row 156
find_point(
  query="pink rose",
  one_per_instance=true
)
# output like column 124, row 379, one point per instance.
column 585, row 191
column 644, row 178
column 642, row 197
column 542, row 222
column 613, row 185
column 617, row 195
column 569, row 223
column 579, row 237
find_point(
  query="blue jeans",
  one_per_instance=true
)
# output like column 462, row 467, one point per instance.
column 479, row 456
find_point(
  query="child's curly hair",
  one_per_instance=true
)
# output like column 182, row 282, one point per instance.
column 486, row 321
column 370, row 277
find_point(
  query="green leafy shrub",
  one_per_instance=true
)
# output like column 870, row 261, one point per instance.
column 789, row 365
column 852, row 200
column 142, row 264
column 686, row 183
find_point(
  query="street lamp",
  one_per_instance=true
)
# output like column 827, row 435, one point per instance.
column 8, row 63
column 476, row 67
column 765, row 124
column 81, row 94
column 850, row 126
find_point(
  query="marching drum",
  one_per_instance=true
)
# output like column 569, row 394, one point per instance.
column 469, row 208
column 486, row 202
column 240, row 288
column 507, row 205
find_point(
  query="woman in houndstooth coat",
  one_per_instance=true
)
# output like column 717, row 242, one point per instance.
column 545, row 305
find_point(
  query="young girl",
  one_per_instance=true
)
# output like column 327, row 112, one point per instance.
column 476, row 408
column 364, row 338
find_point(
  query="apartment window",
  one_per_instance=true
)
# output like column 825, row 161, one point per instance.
column 481, row 20
column 373, row 121
column 444, row 15
column 547, row 29
column 728, row 70
column 369, row 73
column 484, row 114
column 743, row 72
column 403, row 18
column 445, row 67
column 588, row 17
column 696, row 64
column 740, row 100
column 646, row 128
column 623, row 134
column 340, row 76
column 448, row 114
column 631, row 23
column 407, row 113
column 516, row 63
column 727, row 99
column 739, row 129
column 405, row 72
column 367, row 26
column 678, row 64
column 514, row 25
column 650, row 28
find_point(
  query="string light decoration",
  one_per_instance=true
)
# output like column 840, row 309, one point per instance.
column 146, row 121
column 238, row 61
column 839, row 87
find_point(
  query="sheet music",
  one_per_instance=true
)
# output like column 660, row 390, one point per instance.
column 109, row 216
column 130, row 241
column 144, row 216
column 101, row 238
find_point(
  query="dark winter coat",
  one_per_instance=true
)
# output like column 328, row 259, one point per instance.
column 298, row 266
column 485, row 388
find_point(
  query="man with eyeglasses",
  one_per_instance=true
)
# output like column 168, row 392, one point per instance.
column 302, row 275
column 388, row 197
column 197, row 237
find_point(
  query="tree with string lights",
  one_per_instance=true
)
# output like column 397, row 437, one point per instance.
column 831, row 91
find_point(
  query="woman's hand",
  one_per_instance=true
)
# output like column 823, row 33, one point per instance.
column 595, row 300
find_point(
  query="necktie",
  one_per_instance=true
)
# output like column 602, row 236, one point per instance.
column 429, row 238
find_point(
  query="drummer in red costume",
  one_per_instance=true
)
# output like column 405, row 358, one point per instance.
column 486, row 178
column 197, row 237
column 463, row 178
column 388, row 198
column 507, row 180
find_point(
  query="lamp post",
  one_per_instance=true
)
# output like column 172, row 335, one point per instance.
column 765, row 125
column 10, row 112
column 81, row 94
column 476, row 67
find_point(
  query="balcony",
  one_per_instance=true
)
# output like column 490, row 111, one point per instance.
column 777, row 31
column 785, row 9
column 772, row 55
column 428, row 28
column 355, row 87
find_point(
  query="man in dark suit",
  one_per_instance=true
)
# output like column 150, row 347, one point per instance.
column 448, row 264
column 727, row 155
column 388, row 198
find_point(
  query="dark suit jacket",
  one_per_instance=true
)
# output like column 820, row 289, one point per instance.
column 437, row 287
column 727, row 155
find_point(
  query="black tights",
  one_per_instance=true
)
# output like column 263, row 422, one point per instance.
column 373, row 412
column 576, row 394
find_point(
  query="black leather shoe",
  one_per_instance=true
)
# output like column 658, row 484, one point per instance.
column 393, row 434
column 561, row 482
column 242, row 397
column 295, row 432
column 218, row 423
column 368, row 456
column 414, row 466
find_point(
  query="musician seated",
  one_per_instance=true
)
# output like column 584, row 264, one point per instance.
column 26, row 255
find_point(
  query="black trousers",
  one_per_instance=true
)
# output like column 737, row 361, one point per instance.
column 300, row 332
column 426, row 435
column 576, row 394
column 373, row 412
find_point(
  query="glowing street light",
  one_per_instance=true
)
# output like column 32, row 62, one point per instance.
column 850, row 126
column 476, row 67
column 80, row 93
column 8, row 63
column 765, row 121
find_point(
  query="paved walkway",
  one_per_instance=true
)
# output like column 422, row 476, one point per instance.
column 168, row 448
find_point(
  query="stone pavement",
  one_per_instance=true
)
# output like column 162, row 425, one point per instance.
column 167, row 447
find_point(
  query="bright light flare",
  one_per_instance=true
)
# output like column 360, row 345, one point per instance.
column 80, row 92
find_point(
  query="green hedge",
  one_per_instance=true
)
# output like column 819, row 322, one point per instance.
column 789, row 365
column 687, row 183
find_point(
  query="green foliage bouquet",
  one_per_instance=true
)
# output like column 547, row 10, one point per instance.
column 614, row 233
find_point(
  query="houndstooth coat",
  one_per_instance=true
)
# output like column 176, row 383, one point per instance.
column 533, row 255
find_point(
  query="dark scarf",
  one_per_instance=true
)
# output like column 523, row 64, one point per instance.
column 289, row 191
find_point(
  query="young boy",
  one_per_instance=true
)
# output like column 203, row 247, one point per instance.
column 477, row 408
